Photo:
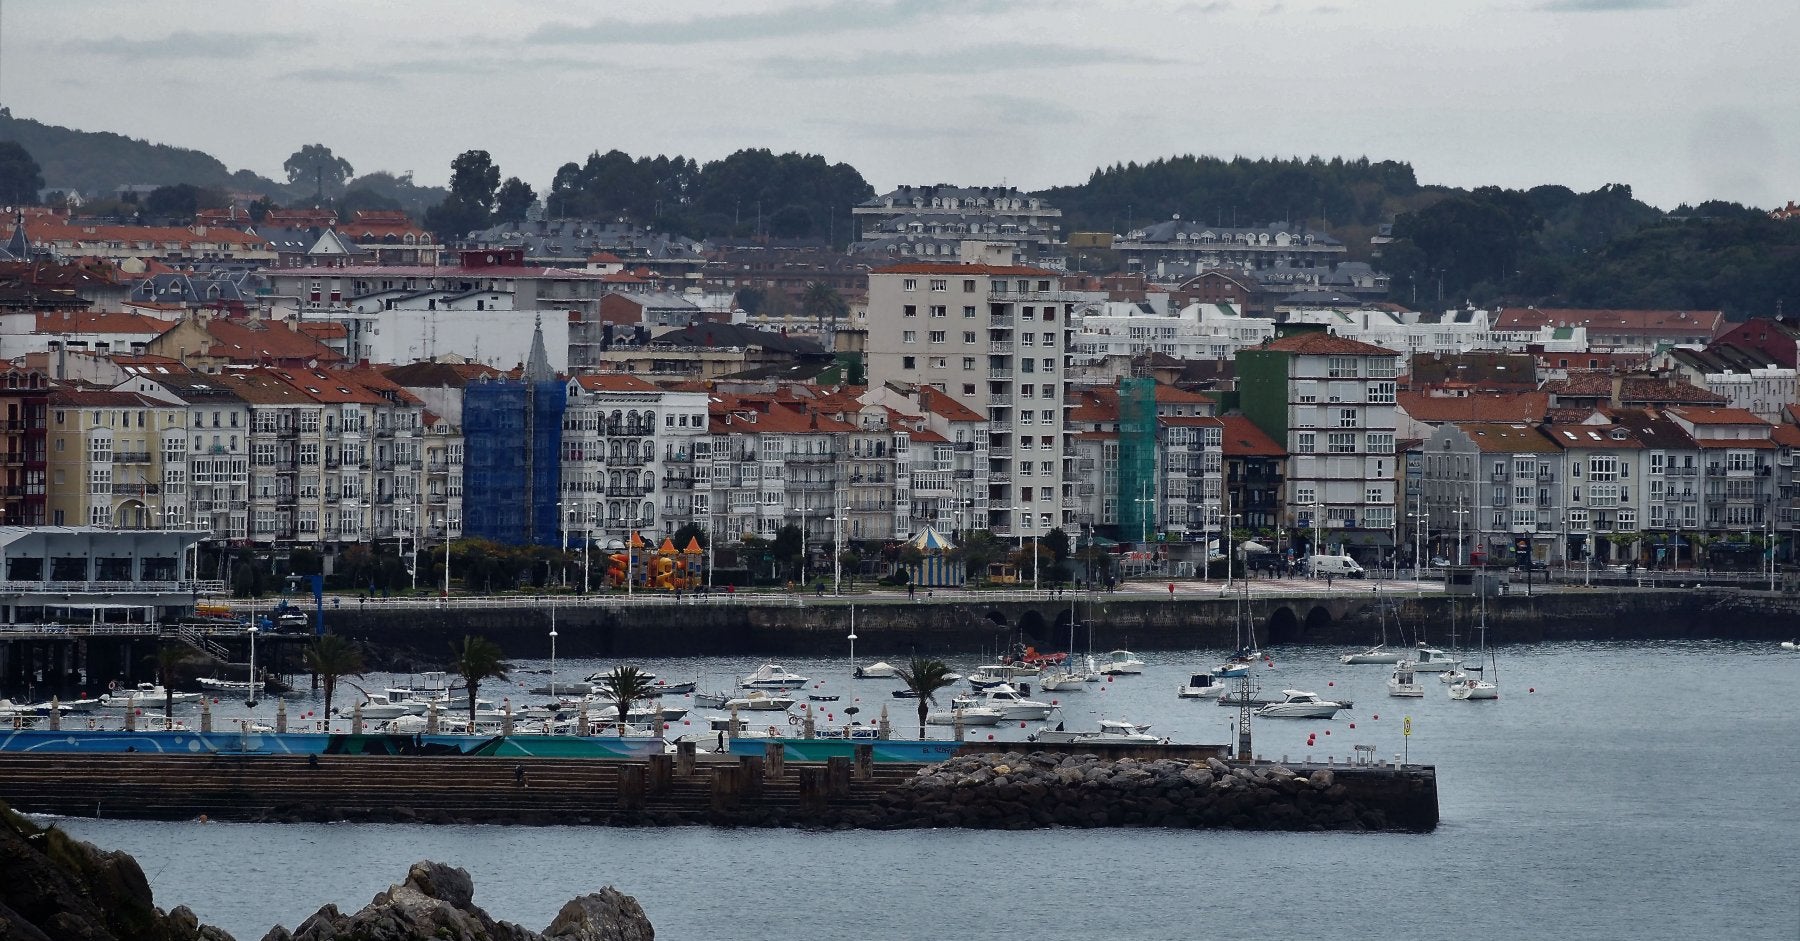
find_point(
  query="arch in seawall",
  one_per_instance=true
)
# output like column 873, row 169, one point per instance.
column 997, row 619
column 1318, row 617
column 1283, row 626
column 1031, row 625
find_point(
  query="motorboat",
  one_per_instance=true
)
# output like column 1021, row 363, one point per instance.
column 1200, row 686
column 1405, row 684
column 711, row 700
column 228, row 687
column 967, row 715
column 758, row 700
column 1299, row 704
column 1122, row 663
column 1111, row 732
column 391, row 704
column 1061, row 680
column 669, row 689
column 145, row 696
column 1790, row 645
column 989, row 675
column 772, row 676
column 1432, row 660
column 880, row 670
column 904, row 694
column 1375, row 654
column 822, row 697
column 1012, row 706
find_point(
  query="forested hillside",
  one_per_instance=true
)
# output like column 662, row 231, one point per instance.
column 99, row 162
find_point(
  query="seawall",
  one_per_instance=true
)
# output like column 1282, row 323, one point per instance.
column 887, row 628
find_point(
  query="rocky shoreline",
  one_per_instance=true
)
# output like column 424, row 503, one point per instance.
column 56, row 888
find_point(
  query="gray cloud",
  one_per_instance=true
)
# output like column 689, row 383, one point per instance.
column 805, row 20
column 186, row 44
column 1605, row 6
column 970, row 60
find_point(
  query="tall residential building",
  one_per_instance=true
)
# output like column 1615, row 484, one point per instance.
column 1330, row 402
column 995, row 336
column 628, row 450
column 24, row 409
column 116, row 460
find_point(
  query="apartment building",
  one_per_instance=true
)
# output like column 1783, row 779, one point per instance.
column 24, row 417
column 629, row 457
column 990, row 334
column 771, row 463
column 116, row 460
column 218, row 454
column 1330, row 402
column 949, row 455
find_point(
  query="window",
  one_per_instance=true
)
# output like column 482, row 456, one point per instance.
column 939, row 310
column 910, row 284
column 938, row 362
column 940, row 284
column 1305, row 496
column 1383, row 368
column 1373, row 495
column 910, row 310
column 1578, row 519
column 1341, row 367
column 1347, row 418
column 968, row 336
column 1381, row 393
column 1341, row 442
column 1305, row 442
column 1048, row 417
column 1381, row 442
column 968, row 288
column 935, row 336
column 968, row 312
column 909, row 362
column 968, row 362
column 968, row 387
column 909, row 336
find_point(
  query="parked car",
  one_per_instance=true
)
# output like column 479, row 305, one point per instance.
column 1439, row 562
column 1535, row 565
column 1338, row 566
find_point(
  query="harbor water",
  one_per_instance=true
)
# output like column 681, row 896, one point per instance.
column 1639, row 791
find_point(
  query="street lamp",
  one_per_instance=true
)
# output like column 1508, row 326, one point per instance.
column 553, row 649
column 1231, row 551
column 837, row 563
column 1024, row 513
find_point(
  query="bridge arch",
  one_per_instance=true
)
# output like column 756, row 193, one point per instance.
column 1284, row 626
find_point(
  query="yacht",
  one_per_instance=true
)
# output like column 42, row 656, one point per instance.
column 1375, row 654
column 967, row 715
column 759, row 701
column 1012, row 706
column 1061, row 681
column 1111, row 732
column 1474, row 687
column 772, row 676
column 145, row 696
column 1122, row 663
column 1299, row 704
column 1432, row 660
column 1201, row 686
column 880, row 670
column 989, row 675
column 600, row 676
column 1404, row 683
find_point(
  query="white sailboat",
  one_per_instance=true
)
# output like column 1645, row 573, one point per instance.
column 1064, row 678
column 1473, row 686
column 1378, row 653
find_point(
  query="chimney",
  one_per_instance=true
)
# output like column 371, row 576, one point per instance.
column 1618, row 389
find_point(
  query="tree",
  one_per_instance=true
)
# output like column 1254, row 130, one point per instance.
column 981, row 548
column 20, row 175
column 477, row 659
column 331, row 658
column 924, row 678
column 788, row 548
column 514, row 198
column 474, row 183
column 317, row 163
column 823, row 302
column 624, row 686
column 182, row 201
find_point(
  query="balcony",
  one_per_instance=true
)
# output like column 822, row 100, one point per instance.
column 436, row 499
column 814, row 458
column 131, row 457
column 1001, row 348
column 995, row 372
column 964, row 446
column 1000, row 321
column 678, row 483
column 629, row 460
column 812, row 485
column 634, row 491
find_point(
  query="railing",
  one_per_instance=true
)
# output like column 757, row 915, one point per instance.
column 678, row 483
column 131, row 457
column 203, row 586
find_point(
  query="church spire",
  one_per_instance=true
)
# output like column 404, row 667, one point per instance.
column 19, row 246
column 537, row 365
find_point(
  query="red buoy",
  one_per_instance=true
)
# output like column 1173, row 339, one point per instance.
column 1532, row 690
column 1353, row 725
column 1327, row 731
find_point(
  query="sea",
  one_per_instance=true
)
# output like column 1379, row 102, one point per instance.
column 1615, row 791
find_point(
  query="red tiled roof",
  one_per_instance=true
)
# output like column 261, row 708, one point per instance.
column 152, row 237
column 1516, row 407
column 1319, row 343
column 324, row 330
column 951, row 268
column 1716, row 416
column 1668, row 321
column 256, row 341
column 946, row 406
column 100, row 322
column 615, row 382
column 1243, row 439
column 1505, row 437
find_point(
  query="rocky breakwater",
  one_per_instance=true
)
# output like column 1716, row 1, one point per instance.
column 1018, row 791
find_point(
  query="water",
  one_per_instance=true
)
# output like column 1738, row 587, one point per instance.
column 1642, row 791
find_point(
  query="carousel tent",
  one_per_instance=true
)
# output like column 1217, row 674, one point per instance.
column 939, row 569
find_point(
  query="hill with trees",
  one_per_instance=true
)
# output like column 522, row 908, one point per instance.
column 99, row 162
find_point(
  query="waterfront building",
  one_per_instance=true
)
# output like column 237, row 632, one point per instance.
column 81, row 574
column 1198, row 331
column 24, row 408
column 992, row 334
column 624, row 441
column 512, row 447
column 113, row 459
column 1330, row 402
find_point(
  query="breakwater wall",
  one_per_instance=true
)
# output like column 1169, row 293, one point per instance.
column 966, row 623
column 991, row 790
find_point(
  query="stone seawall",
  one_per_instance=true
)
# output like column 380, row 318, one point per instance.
column 886, row 628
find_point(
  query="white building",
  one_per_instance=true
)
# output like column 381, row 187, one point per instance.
column 629, row 458
column 1198, row 331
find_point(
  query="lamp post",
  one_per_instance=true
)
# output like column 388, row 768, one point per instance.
column 1460, row 513
column 837, row 563
column 552, row 648
column 1022, row 513
column 1231, row 550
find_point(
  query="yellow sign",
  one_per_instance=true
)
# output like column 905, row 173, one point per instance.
column 1406, row 727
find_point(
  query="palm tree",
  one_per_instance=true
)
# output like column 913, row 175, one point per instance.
column 331, row 658
column 477, row 659
column 167, row 657
column 624, row 686
column 924, row 678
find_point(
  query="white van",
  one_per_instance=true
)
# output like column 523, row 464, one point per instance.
column 1337, row 566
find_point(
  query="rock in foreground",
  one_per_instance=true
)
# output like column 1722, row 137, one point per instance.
column 438, row 902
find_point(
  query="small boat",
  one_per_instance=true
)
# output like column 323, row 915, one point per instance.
column 1062, row 681
column 758, row 700
column 772, row 676
column 1200, row 686
column 989, row 675
column 233, row 687
column 1790, row 645
column 1432, row 660
column 1122, row 663
column 1007, row 701
column 1111, row 732
column 967, row 715
column 1405, row 684
column 904, row 694
column 711, row 700
column 880, row 670
column 670, row 689
column 145, row 696
column 819, row 697
column 1474, row 687
column 600, row 676
column 1375, row 654
column 1300, row 704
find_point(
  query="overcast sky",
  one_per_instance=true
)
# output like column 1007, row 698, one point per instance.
column 1684, row 100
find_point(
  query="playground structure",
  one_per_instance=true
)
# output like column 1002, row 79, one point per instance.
column 665, row 569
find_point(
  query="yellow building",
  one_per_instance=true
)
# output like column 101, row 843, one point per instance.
column 117, row 460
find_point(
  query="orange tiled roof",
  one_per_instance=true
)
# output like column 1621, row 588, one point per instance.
column 100, row 322
column 1671, row 321
column 1242, row 438
column 1509, row 407
column 1325, row 344
column 615, row 382
column 257, row 341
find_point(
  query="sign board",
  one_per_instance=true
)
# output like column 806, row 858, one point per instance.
column 1406, row 727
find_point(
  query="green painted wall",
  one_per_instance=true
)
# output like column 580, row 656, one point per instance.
column 1263, row 390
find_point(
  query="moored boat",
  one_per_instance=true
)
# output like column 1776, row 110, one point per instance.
column 1299, row 704
column 1200, row 686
